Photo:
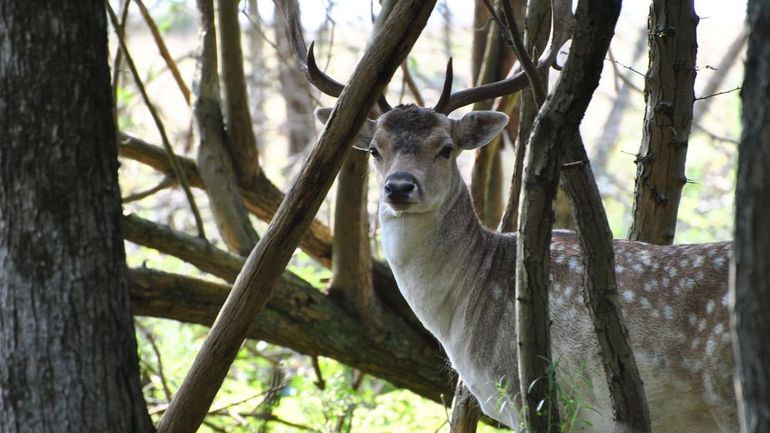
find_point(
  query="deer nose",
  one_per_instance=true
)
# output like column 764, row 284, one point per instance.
column 399, row 186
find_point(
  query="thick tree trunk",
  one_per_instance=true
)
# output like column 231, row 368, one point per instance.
column 67, row 348
column 668, row 116
column 751, row 286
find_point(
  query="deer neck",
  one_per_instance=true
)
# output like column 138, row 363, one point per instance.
column 429, row 255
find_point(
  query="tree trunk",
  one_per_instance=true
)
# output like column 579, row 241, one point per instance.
column 537, row 27
column 68, row 358
column 667, row 119
column 254, row 285
column 751, row 286
column 216, row 163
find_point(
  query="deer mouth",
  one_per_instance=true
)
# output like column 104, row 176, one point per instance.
column 400, row 205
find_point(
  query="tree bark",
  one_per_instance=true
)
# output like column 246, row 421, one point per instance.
column 263, row 201
column 217, row 168
column 556, row 124
column 242, row 145
column 68, row 357
column 465, row 411
column 537, row 27
column 667, row 120
column 600, row 290
column 307, row 321
column 264, row 266
column 486, row 176
column 751, row 285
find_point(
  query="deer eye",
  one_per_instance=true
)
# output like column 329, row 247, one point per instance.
column 446, row 152
column 375, row 153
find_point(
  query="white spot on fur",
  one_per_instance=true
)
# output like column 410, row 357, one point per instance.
column 719, row 328
column 710, row 346
column 710, row 307
column 719, row 262
column 645, row 303
column 697, row 261
column 691, row 319
column 628, row 295
column 568, row 291
column 574, row 265
column 668, row 312
column 672, row 272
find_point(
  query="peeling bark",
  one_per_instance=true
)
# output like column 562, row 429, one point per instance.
column 750, row 289
column 669, row 100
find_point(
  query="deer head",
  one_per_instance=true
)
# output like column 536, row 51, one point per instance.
column 415, row 150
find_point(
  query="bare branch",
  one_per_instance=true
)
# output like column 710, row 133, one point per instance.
column 172, row 158
column 263, row 268
column 242, row 145
column 305, row 320
column 170, row 63
column 214, row 161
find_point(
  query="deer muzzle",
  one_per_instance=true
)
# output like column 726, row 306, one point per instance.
column 400, row 190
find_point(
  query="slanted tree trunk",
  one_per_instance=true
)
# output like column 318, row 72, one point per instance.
column 751, row 286
column 668, row 116
column 68, row 358
column 262, row 270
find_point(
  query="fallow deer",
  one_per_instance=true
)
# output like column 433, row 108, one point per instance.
column 458, row 277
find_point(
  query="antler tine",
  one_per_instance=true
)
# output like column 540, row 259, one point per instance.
column 329, row 85
column 306, row 57
column 320, row 80
column 561, row 30
column 443, row 101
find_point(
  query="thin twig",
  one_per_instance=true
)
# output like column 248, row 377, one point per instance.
column 119, row 56
column 154, row 345
column 166, row 182
column 164, row 51
column 320, row 383
column 625, row 66
column 718, row 93
column 538, row 90
column 178, row 172
column 409, row 80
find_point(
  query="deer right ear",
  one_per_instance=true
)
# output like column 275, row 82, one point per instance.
column 364, row 136
column 477, row 128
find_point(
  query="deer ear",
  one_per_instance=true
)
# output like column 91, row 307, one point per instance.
column 364, row 136
column 477, row 128
column 322, row 114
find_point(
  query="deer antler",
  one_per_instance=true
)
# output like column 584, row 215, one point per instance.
column 329, row 85
column 561, row 32
column 306, row 58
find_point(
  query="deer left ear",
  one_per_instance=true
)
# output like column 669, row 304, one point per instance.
column 477, row 128
column 365, row 134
